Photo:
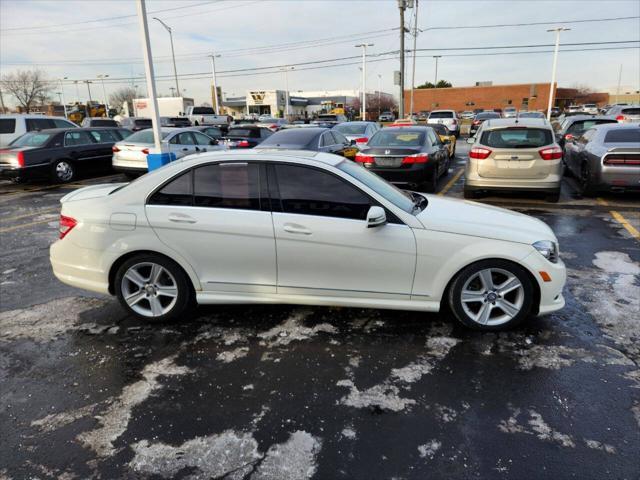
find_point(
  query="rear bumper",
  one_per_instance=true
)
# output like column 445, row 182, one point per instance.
column 617, row 178
column 416, row 174
column 78, row 267
column 129, row 165
column 35, row 171
column 473, row 181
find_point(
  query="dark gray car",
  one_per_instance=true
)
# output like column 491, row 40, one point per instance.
column 605, row 157
column 575, row 126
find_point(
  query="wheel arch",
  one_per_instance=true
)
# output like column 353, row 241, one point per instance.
column 535, row 307
column 123, row 258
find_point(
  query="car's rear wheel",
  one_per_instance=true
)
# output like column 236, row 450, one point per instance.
column 491, row 295
column 431, row 184
column 63, row 171
column 153, row 288
column 553, row 197
column 470, row 194
column 586, row 188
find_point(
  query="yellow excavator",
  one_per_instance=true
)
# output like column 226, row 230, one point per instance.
column 78, row 112
column 333, row 108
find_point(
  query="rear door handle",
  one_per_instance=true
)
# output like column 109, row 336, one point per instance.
column 298, row 229
column 181, row 218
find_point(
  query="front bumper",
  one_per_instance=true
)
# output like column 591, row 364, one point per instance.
column 551, row 298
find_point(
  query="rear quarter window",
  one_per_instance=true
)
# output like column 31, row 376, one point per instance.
column 7, row 125
column 624, row 135
column 517, row 138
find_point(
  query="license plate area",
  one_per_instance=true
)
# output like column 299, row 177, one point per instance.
column 388, row 162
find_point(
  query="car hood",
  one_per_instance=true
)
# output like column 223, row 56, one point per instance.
column 476, row 219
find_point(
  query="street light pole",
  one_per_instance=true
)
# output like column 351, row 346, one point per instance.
column 89, row 102
column 148, row 70
column 402, row 4
column 553, row 70
column 286, row 81
column 363, row 114
column 173, row 55
column 413, row 69
column 379, row 90
column 435, row 80
column 104, row 94
column 215, row 84
column 77, row 92
column 64, row 105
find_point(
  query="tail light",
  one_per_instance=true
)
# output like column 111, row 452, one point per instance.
column 479, row 153
column 476, row 122
column 243, row 144
column 20, row 159
column 553, row 153
column 622, row 159
column 66, row 225
column 416, row 158
column 620, row 118
column 145, row 151
column 274, row 126
column 360, row 158
column 568, row 137
column 362, row 140
column 115, row 149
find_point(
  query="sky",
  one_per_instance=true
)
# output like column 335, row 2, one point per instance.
column 83, row 39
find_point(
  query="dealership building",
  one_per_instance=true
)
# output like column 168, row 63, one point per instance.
column 486, row 96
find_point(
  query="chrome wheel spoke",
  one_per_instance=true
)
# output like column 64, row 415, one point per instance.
column 156, row 306
column 135, row 297
column 133, row 276
column 509, row 285
column 486, row 279
column 167, row 291
column 507, row 307
column 484, row 313
column 156, row 272
column 469, row 296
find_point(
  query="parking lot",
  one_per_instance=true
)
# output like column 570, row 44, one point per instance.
column 275, row 392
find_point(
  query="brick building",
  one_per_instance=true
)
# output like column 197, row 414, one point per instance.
column 525, row 96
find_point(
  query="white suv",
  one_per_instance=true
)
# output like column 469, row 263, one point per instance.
column 448, row 118
column 14, row 126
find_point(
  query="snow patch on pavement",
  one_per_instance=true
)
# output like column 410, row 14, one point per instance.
column 429, row 449
column 231, row 355
column 55, row 421
column 535, row 426
column 382, row 396
column 47, row 321
column 115, row 419
column 348, row 432
column 596, row 445
column 293, row 460
column 438, row 347
column 293, row 329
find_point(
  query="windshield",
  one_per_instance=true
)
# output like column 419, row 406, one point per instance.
column 399, row 198
column 517, row 138
column 36, row 139
column 397, row 138
column 143, row 136
column 351, row 128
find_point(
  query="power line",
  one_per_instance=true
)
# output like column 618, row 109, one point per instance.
column 529, row 24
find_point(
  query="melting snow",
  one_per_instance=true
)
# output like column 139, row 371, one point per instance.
column 429, row 449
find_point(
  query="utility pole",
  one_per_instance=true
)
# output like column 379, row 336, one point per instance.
column 77, row 92
column 64, row 105
column 104, row 94
column 148, row 70
column 286, row 97
column 435, row 80
column 379, row 89
column 553, row 70
column 413, row 69
column 363, row 107
column 619, row 82
column 173, row 55
column 215, row 84
column 402, row 5
column 89, row 102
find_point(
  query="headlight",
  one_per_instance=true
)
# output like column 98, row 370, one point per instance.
column 547, row 249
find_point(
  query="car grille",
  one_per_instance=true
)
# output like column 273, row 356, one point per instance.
column 389, row 162
column 622, row 160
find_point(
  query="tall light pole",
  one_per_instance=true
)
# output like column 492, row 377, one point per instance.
column 402, row 5
column 364, row 46
column 619, row 82
column 379, row 90
column 64, row 105
column 89, row 102
column 104, row 94
column 173, row 55
column 435, row 80
column 413, row 68
column 286, row 81
column 553, row 70
column 77, row 91
column 215, row 84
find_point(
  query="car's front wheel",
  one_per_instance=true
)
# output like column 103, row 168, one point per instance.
column 152, row 287
column 491, row 295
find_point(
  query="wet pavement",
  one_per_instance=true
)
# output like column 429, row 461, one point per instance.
column 288, row 392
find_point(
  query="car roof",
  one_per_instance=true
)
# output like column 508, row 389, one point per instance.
column 31, row 115
column 616, row 126
column 408, row 128
column 359, row 122
column 515, row 122
column 264, row 154
column 576, row 118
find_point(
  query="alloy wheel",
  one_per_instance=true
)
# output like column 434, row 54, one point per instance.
column 64, row 171
column 149, row 289
column 492, row 296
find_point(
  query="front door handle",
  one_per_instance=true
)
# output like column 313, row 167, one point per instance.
column 299, row 229
column 181, row 218
column 185, row 149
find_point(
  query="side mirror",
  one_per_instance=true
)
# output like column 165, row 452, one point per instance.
column 213, row 142
column 471, row 140
column 376, row 217
column 352, row 142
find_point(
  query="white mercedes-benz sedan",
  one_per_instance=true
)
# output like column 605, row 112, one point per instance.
column 302, row 228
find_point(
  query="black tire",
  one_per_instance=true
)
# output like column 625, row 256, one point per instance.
column 470, row 194
column 184, row 299
column 431, row 184
column 553, row 197
column 586, row 188
column 18, row 180
column 524, row 295
column 63, row 171
column 131, row 176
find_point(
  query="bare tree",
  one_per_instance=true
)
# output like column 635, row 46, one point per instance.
column 27, row 86
column 121, row 96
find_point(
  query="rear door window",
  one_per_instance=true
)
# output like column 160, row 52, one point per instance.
column 183, row 138
column 227, row 185
column 103, row 136
column 201, row 139
column 77, row 138
column 60, row 123
column 7, row 125
column 631, row 111
column 178, row 191
column 517, row 138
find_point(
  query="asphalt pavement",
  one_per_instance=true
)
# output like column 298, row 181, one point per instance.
column 289, row 392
